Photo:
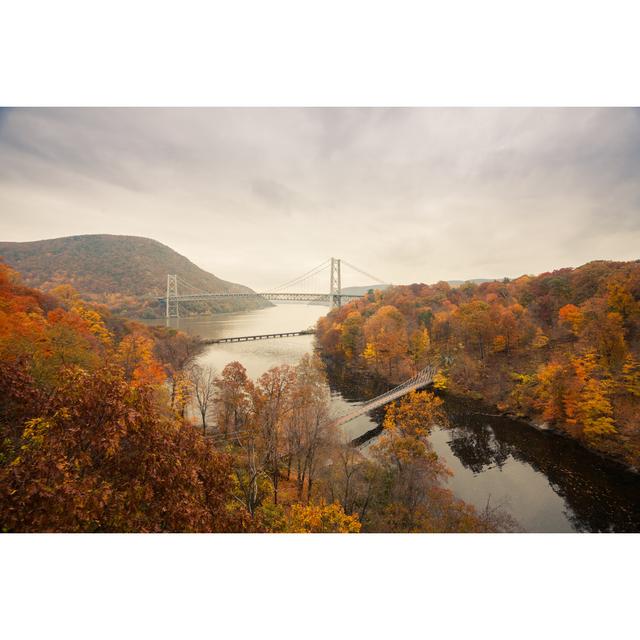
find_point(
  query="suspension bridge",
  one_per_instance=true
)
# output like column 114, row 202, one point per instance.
column 304, row 288
column 423, row 378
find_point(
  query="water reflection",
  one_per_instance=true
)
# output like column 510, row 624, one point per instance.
column 597, row 495
column 547, row 482
column 479, row 449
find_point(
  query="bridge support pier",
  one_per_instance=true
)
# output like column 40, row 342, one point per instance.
column 335, row 286
column 172, row 305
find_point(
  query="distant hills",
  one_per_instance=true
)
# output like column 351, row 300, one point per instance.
column 360, row 291
column 457, row 283
column 118, row 271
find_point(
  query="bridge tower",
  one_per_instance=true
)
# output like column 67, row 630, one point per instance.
column 335, row 290
column 173, row 310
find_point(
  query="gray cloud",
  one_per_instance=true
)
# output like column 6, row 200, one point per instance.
column 260, row 195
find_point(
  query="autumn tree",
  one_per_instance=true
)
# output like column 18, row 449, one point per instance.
column 237, row 409
column 572, row 317
column 352, row 334
column 551, row 386
column 404, row 450
column 475, row 325
column 135, row 355
column 630, row 378
column 307, row 433
column 386, row 341
column 320, row 518
column 177, row 352
column 203, row 383
column 353, row 480
column 419, row 345
column 275, row 389
column 102, row 457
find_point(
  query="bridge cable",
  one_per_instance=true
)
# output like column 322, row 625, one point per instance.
column 184, row 282
column 304, row 276
column 364, row 273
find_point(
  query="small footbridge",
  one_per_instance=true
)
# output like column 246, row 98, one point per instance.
column 422, row 379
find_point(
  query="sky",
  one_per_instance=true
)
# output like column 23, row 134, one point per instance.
column 261, row 195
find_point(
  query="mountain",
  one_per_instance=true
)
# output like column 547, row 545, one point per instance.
column 360, row 291
column 457, row 283
column 123, row 272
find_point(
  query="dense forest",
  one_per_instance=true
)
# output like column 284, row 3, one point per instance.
column 108, row 425
column 118, row 271
column 561, row 349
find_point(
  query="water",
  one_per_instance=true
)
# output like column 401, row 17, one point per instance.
column 260, row 355
column 547, row 483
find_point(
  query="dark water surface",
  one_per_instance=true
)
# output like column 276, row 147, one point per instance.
column 548, row 483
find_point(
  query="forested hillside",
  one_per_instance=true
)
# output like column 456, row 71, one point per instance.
column 117, row 271
column 562, row 348
column 96, row 435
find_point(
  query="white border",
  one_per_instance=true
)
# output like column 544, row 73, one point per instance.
column 317, row 53
column 306, row 54
column 297, row 586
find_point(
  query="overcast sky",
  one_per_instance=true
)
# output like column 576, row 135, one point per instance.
column 258, row 196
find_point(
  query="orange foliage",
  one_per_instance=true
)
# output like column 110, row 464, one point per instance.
column 521, row 345
column 86, row 439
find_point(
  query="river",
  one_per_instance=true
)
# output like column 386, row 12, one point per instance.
column 546, row 482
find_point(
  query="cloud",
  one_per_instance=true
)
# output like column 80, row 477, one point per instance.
column 260, row 195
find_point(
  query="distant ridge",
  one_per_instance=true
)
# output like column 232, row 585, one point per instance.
column 360, row 291
column 457, row 283
column 118, row 271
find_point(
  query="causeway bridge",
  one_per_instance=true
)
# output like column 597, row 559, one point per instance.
column 264, row 336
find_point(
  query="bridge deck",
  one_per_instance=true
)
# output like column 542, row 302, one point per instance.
column 264, row 336
column 422, row 379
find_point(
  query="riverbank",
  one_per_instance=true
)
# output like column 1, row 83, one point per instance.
column 483, row 408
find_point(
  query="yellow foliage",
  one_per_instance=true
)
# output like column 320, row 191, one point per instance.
column 95, row 323
column 369, row 353
column 419, row 345
column 596, row 410
column 631, row 376
column 540, row 339
column 440, row 381
column 550, row 390
column 183, row 388
column 320, row 518
column 621, row 300
column 414, row 414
